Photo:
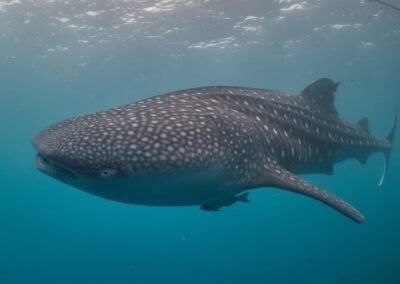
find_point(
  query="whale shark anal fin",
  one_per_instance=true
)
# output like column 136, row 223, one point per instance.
column 216, row 206
column 284, row 179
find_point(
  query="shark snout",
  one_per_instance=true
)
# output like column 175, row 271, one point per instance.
column 45, row 143
column 74, row 147
column 47, row 157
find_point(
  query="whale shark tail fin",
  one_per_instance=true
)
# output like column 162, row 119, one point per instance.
column 390, row 139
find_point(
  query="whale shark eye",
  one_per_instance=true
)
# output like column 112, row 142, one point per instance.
column 106, row 173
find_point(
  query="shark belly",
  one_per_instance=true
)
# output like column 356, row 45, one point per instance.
column 178, row 188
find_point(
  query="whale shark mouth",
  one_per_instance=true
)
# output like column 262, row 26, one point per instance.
column 50, row 167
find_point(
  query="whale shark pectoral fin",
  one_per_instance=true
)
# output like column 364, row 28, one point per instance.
column 284, row 179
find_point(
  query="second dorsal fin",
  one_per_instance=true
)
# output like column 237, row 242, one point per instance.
column 364, row 124
column 321, row 94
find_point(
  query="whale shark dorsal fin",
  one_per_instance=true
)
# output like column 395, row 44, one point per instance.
column 284, row 179
column 364, row 124
column 321, row 94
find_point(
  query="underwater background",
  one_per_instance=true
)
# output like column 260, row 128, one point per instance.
column 63, row 58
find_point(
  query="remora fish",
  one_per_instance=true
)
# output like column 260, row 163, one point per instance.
column 204, row 146
column 226, row 202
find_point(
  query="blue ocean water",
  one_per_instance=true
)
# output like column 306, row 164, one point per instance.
column 63, row 58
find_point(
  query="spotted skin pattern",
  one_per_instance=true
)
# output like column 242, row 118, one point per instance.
column 247, row 138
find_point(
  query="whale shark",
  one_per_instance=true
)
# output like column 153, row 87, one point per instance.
column 208, row 146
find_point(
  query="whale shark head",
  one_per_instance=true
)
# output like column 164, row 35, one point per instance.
column 86, row 146
column 102, row 145
column 115, row 150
